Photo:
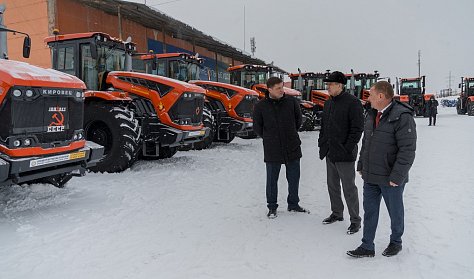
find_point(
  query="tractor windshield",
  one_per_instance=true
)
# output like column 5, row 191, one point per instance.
column 369, row 82
column 470, row 88
column 411, row 84
column 109, row 58
column 410, row 87
column 184, row 71
column 250, row 78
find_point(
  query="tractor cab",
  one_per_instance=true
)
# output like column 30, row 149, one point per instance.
column 412, row 91
column 90, row 56
column 179, row 66
column 249, row 75
column 359, row 84
column 311, row 85
column 465, row 103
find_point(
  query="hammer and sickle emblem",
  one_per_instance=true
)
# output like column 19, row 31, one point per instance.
column 59, row 119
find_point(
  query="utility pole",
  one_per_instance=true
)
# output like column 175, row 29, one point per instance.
column 419, row 63
column 253, row 46
column 450, row 79
column 244, row 27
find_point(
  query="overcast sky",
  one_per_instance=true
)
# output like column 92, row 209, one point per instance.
column 364, row 35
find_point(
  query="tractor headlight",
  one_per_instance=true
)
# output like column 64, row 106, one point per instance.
column 16, row 143
column 78, row 94
column 17, row 93
column 29, row 93
column 27, row 142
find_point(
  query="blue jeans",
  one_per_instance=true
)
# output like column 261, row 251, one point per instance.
column 293, row 177
column 393, row 197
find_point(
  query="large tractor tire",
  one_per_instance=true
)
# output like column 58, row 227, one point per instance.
column 114, row 127
column 310, row 122
column 470, row 108
column 209, row 122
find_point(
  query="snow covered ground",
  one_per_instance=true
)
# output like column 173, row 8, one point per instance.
column 201, row 214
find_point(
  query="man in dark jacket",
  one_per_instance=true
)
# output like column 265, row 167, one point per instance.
column 341, row 130
column 386, row 156
column 432, row 110
column 276, row 120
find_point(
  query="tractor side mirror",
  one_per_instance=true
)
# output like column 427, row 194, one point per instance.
column 26, row 47
column 93, row 47
column 459, row 85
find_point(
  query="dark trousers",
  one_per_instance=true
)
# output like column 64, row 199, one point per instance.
column 393, row 197
column 293, row 177
column 433, row 117
column 337, row 173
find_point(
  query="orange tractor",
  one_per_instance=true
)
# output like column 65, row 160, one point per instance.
column 255, row 77
column 412, row 92
column 465, row 103
column 133, row 115
column 41, row 131
column 228, row 108
column 313, row 90
column 358, row 84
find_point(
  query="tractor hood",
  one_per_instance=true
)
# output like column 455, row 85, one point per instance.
column 24, row 74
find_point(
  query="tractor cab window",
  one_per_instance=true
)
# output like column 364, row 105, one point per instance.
column 298, row 84
column 250, row 78
column 411, row 84
column 160, row 67
column 89, row 73
column 66, row 60
column 109, row 58
column 356, row 84
column 369, row 82
column 319, row 84
column 184, row 71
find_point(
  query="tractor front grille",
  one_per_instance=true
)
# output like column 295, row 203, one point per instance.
column 187, row 110
column 245, row 107
column 50, row 118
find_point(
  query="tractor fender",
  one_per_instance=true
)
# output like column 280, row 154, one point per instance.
column 470, row 98
column 108, row 95
column 428, row 96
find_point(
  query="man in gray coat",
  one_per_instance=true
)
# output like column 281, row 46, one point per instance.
column 386, row 156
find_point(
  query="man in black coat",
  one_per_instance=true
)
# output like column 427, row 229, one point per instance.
column 276, row 120
column 341, row 130
column 386, row 156
column 432, row 110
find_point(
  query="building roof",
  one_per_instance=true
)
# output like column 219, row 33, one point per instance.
column 152, row 18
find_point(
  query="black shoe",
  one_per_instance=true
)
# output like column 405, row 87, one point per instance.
column 361, row 253
column 272, row 214
column 331, row 219
column 353, row 228
column 298, row 209
column 392, row 249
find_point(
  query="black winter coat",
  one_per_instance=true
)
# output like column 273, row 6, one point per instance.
column 388, row 151
column 433, row 107
column 277, row 122
column 341, row 128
